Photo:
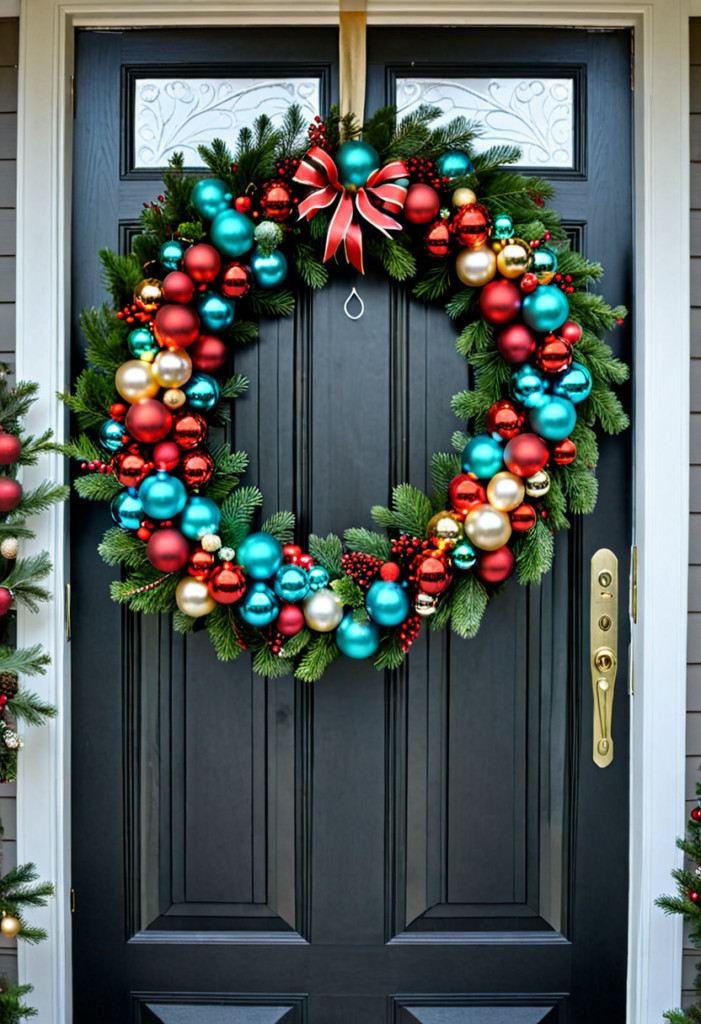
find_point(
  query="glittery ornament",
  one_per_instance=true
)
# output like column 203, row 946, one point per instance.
column 211, row 542
column 9, row 548
column 268, row 235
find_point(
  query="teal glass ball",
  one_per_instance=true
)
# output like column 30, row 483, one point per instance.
column 269, row 271
column 210, row 196
column 200, row 516
column 554, row 418
column 482, row 457
column 142, row 343
column 216, row 312
column 357, row 639
column 545, row 309
column 503, row 226
column 171, row 254
column 463, row 555
column 111, row 434
column 356, row 161
column 162, row 496
column 258, row 606
column 574, row 383
column 387, row 603
column 454, row 164
column 232, row 233
column 528, row 385
column 126, row 509
column 291, row 583
column 202, row 392
column 318, row 577
column 260, row 555
column 543, row 261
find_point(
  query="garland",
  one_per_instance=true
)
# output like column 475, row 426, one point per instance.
column 411, row 200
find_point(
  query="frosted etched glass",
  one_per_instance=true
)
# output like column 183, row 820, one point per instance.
column 174, row 115
column 535, row 114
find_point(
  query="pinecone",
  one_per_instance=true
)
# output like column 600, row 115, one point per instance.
column 360, row 567
column 8, row 684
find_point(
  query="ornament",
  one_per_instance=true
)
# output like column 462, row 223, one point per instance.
column 574, row 384
column 463, row 197
column 268, row 236
column 162, row 496
column 487, row 528
column 471, row 225
column 463, row 555
column 196, row 468
column 276, row 201
column 564, row 452
column 258, row 606
column 546, row 308
column 200, row 563
column 236, row 280
column 202, row 392
column 696, row 813
column 422, row 204
column 126, row 510
column 202, row 263
column 118, row 411
column 243, row 204
column 130, row 468
column 495, row 566
column 261, row 555
column 167, row 550
column 505, row 420
column 10, row 494
column 10, row 925
column 178, row 287
column 174, row 399
column 200, row 516
column 433, row 575
column 290, row 620
column 503, row 226
column 525, row 454
column 10, row 448
column 516, row 343
column 176, row 326
column 226, row 554
column 189, row 430
column 538, row 485
column 5, row 600
column 111, row 434
column 390, row 571
column 482, row 457
column 323, row 610
column 307, row 562
column 193, row 598
column 571, row 332
column 476, row 267
column 554, row 418
column 291, row 552
column 357, row 639
column 170, row 254
column 387, row 603
column 210, row 196
column 528, row 385
column 514, row 258
column 464, row 493
column 232, row 233
column 208, row 354
column 172, row 367
column 444, row 526
column 523, row 518
column 148, row 420
column 554, row 354
column 166, row 455
column 269, row 271
column 9, row 548
column 216, row 311
column 142, row 344
column 318, row 577
column 437, row 239
column 505, row 491
column 134, row 380
column 425, row 604
column 544, row 264
column 500, row 302
column 148, row 294
column 454, row 164
column 212, row 542
column 291, row 583
column 528, row 283
column 356, row 161
column 227, row 584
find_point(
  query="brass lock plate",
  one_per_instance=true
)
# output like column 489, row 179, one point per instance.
column 603, row 650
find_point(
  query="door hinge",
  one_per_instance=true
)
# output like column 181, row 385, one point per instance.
column 72, row 901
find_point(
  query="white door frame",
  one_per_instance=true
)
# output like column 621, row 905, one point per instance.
column 661, row 318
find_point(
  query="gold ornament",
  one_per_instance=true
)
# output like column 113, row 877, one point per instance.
column 148, row 294
column 476, row 267
column 505, row 491
column 174, row 398
column 134, row 380
column 445, row 526
column 172, row 367
column 10, row 925
column 487, row 527
column 514, row 258
column 9, row 547
column 463, row 197
column 425, row 604
column 538, row 484
column 323, row 610
column 193, row 598
column 211, row 542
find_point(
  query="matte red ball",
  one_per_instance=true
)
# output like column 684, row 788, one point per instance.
column 166, row 455
column 10, row 448
column 495, row 566
column 130, row 468
column 505, row 420
column 525, row 454
column 464, row 493
column 202, row 262
column 176, row 326
column 118, row 411
column 438, row 239
column 148, row 420
column 200, row 563
column 196, row 468
column 5, row 600
column 290, row 620
column 390, row 571
column 227, row 583
column 208, row 354
column 472, row 225
column 178, row 287
column 516, row 343
column 500, row 301
column 236, row 280
column 10, row 494
column 189, row 430
column 571, row 332
column 422, row 204
column 243, row 204
column 554, row 355
column 433, row 576
column 564, row 452
column 523, row 518
column 167, row 550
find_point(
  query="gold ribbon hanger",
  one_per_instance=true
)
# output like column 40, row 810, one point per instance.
column 352, row 54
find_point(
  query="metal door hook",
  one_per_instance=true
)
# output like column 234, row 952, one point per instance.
column 362, row 305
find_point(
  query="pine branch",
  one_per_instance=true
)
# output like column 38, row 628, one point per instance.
column 477, row 336
column 274, row 304
column 28, row 707
column 106, row 339
column 272, row 666
column 390, row 654
column 310, row 269
column 29, row 661
column 434, row 284
column 368, row 542
column 444, row 467
column 463, row 303
column 394, row 257
column 93, row 396
column 122, row 547
column 23, row 577
column 237, row 514
column 469, row 604
column 410, row 513
column 221, row 626
column 280, row 525
column 349, row 592
column 321, row 652
column 326, row 551
column 242, row 332
column 120, row 276
column 98, row 486
column 33, row 503
column 82, row 448
column 534, row 552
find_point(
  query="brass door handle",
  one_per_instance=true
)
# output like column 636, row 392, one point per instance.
column 604, row 650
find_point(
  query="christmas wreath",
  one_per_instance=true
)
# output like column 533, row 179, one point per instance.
column 410, row 199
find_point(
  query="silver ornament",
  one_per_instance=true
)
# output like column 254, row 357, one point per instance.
column 9, row 547
column 268, row 236
column 537, row 485
column 323, row 610
column 227, row 554
column 12, row 740
column 425, row 604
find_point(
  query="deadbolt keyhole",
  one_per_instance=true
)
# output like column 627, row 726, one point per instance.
column 604, row 660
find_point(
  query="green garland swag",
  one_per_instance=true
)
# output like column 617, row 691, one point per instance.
column 415, row 201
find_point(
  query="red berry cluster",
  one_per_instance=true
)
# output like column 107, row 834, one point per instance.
column 405, row 549
column 287, row 168
column 132, row 313
column 276, row 641
column 317, row 134
column 409, row 631
column 425, row 171
column 693, row 896
column 565, row 283
column 155, row 206
column 535, row 242
column 360, row 567
column 101, row 467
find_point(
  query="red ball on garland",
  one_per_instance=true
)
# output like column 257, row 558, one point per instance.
column 10, row 448
column 290, row 620
column 500, row 301
column 130, row 468
column 495, row 566
column 472, row 225
column 464, row 493
column 554, row 355
column 200, row 563
column 5, row 600
column 166, row 455
column 236, row 280
column 505, row 420
column 243, row 204
column 516, row 343
column 433, row 575
column 148, row 420
column 526, row 454
column 564, row 452
column 178, row 287
column 571, row 332
column 693, row 896
column 437, row 240
column 696, row 813
column 523, row 518
column 291, row 553
column 176, row 326
column 306, row 561
column 227, row 583
column 422, row 204
column 196, row 468
column 390, row 572
column 202, row 262
column 208, row 354
column 118, row 411
column 10, row 494
column 167, row 550
column 189, row 430
column 276, row 201
column 529, row 282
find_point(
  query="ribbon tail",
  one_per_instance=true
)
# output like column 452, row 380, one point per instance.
column 340, row 223
column 374, row 216
column 354, row 246
column 317, row 201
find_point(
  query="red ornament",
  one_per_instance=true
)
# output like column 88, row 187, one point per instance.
column 564, row 452
column 166, row 455
column 148, row 420
column 292, row 553
column 571, row 332
column 525, row 454
column 227, row 583
column 464, row 493
column 495, row 566
column 472, row 225
column 516, row 343
column 437, row 240
column 130, row 468
column 189, row 430
column 176, row 326
column 529, row 282
column 290, row 620
column 200, row 563
column 202, row 262
column 422, row 204
column 208, row 354
column 10, row 448
column 196, row 468
column 167, row 550
column 243, row 204
column 696, row 813
column 178, row 287
column 118, row 411
column 276, row 201
column 505, row 420
column 433, row 575
column 10, row 494
column 554, row 355
column 523, row 518
column 5, row 600
column 236, row 280
column 390, row 571
column 693, row 896
column 306, row 561
column 500, row 301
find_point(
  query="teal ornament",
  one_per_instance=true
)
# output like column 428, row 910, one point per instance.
column 200, row 516
column 260, row 555
column 357, row 639
column 356, row 161
column 528, row 385
column 202, row 392
column 454, row 164
column 216, row 312
column 546, row 308
column 482, row 457
column 574, row 383
column 232, row 233
column 269, row 271
column 210, row 196
column 544, row 261
column 291, row 583
column 463, row 555
column 171, row 253
column 404, row 182
column 387, row 603
column 142, row 343
column 258, row 606
column 162, row 496
column 111, row 434
column 126, row 509
column 503, row 226
column 554, row 418
column 318, row 577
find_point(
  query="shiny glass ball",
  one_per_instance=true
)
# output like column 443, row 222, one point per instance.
column 170, row 254
column 387, row 603
column 503, row 226
column 444, row 526
column 482, row 457
column 200, row 516
column 232, row 233
column 514, row 258
column 505, row 491
column 323, row 610
column 291, row 583
column 126, row 510
column 216, row 312
column 258, row 606
column 318, row 577
column 202, row 392
column 142, row 344
column 463, row 555
column 210, row 196
column 545, row 309
column 528, row 385
column 357, row 639
column 538, row 485
column 554, row 418
column 476, row 267
column 111, row 434
column 193, row 598
column 260, row 555
column 356, row 161
column 544, row 264
column 269, row 271
column 487, row 528
column 575, row 383
column 454, row 164
column 162, row 496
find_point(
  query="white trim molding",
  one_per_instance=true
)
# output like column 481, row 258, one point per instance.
column 661, row 451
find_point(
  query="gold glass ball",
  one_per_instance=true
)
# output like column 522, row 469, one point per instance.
column 134, row 380
column 148, row 294
column 476, row 267
column 10, row 926
column 425, row 604
column 487, row 527
column 323, row 610
column 174, row 398
column 514, row 258
column 193, row 598
column 172, row 367
column 464, row 197
column 444, row 526
column 538, row 484
column 505, row 491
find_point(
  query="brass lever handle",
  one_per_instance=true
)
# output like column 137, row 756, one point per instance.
column 604, row 650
